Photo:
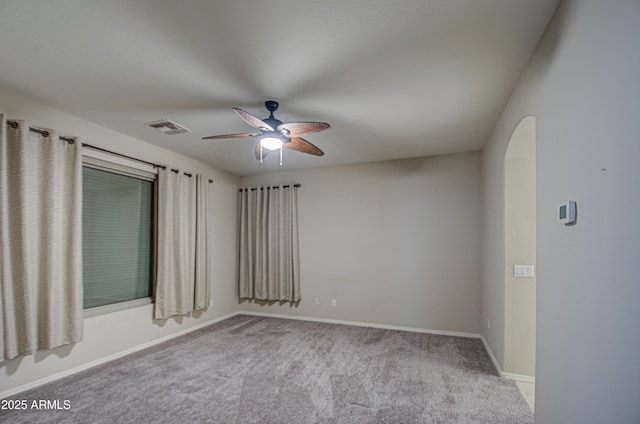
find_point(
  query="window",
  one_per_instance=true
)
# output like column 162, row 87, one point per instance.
column 118, row 233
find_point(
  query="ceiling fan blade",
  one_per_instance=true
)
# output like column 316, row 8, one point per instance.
column 242, row 135
column 252, row 120
column 298, row 129
column 302, row 145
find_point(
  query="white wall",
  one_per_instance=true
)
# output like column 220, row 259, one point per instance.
column 395, row 243
column 119, row 331
column 582, row 85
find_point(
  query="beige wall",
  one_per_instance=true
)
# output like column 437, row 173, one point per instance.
column 520, row 249
column 395, row 243
column 116, row 332
column 582, row 87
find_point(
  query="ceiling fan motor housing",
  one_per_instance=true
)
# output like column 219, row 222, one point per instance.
column 271, row 105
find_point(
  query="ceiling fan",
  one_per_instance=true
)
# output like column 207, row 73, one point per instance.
column 274, row 134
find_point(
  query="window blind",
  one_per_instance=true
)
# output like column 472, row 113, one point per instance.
column 118, row 212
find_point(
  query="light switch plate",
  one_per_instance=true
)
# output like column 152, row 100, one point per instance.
column 523, row 271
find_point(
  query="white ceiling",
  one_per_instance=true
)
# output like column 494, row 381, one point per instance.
column 395, row 79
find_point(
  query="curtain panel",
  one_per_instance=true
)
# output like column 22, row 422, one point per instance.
column 40, row 240
column 183, row 269
column 269, row 254
column 203, row 246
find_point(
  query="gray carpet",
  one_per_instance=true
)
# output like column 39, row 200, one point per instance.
column 265, row 370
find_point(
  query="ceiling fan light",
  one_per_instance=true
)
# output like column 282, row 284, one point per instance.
column 271, row 143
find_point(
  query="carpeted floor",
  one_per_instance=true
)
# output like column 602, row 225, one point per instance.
column 265, row 370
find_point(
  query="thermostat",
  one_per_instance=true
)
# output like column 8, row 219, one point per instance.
column 567, row 212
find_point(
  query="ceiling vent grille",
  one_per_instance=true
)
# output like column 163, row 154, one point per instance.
column 168, row 127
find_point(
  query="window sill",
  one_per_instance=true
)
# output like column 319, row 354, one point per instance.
column 107, row 309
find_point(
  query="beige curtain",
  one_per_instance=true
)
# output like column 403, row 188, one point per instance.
column 183, row 271
column 269, row 260
column 203, row 245
column 40, row 240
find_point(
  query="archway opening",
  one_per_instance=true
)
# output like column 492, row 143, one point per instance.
column 520, row 254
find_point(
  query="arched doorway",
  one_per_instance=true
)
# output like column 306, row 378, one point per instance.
column 520, row 250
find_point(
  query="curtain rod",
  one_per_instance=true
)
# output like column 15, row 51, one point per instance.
column 271, row 187
column 15, row 124
column 155, row 165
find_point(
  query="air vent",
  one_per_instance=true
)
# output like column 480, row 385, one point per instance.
column 168, row 127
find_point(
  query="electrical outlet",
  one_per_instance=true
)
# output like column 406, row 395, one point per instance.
column 317, row 300
column 333, row 302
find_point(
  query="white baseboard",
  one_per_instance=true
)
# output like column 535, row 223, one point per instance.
column 362, row 324
column 108, row 358
column 519, row 377
column 493, row 358
column 507, row 375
